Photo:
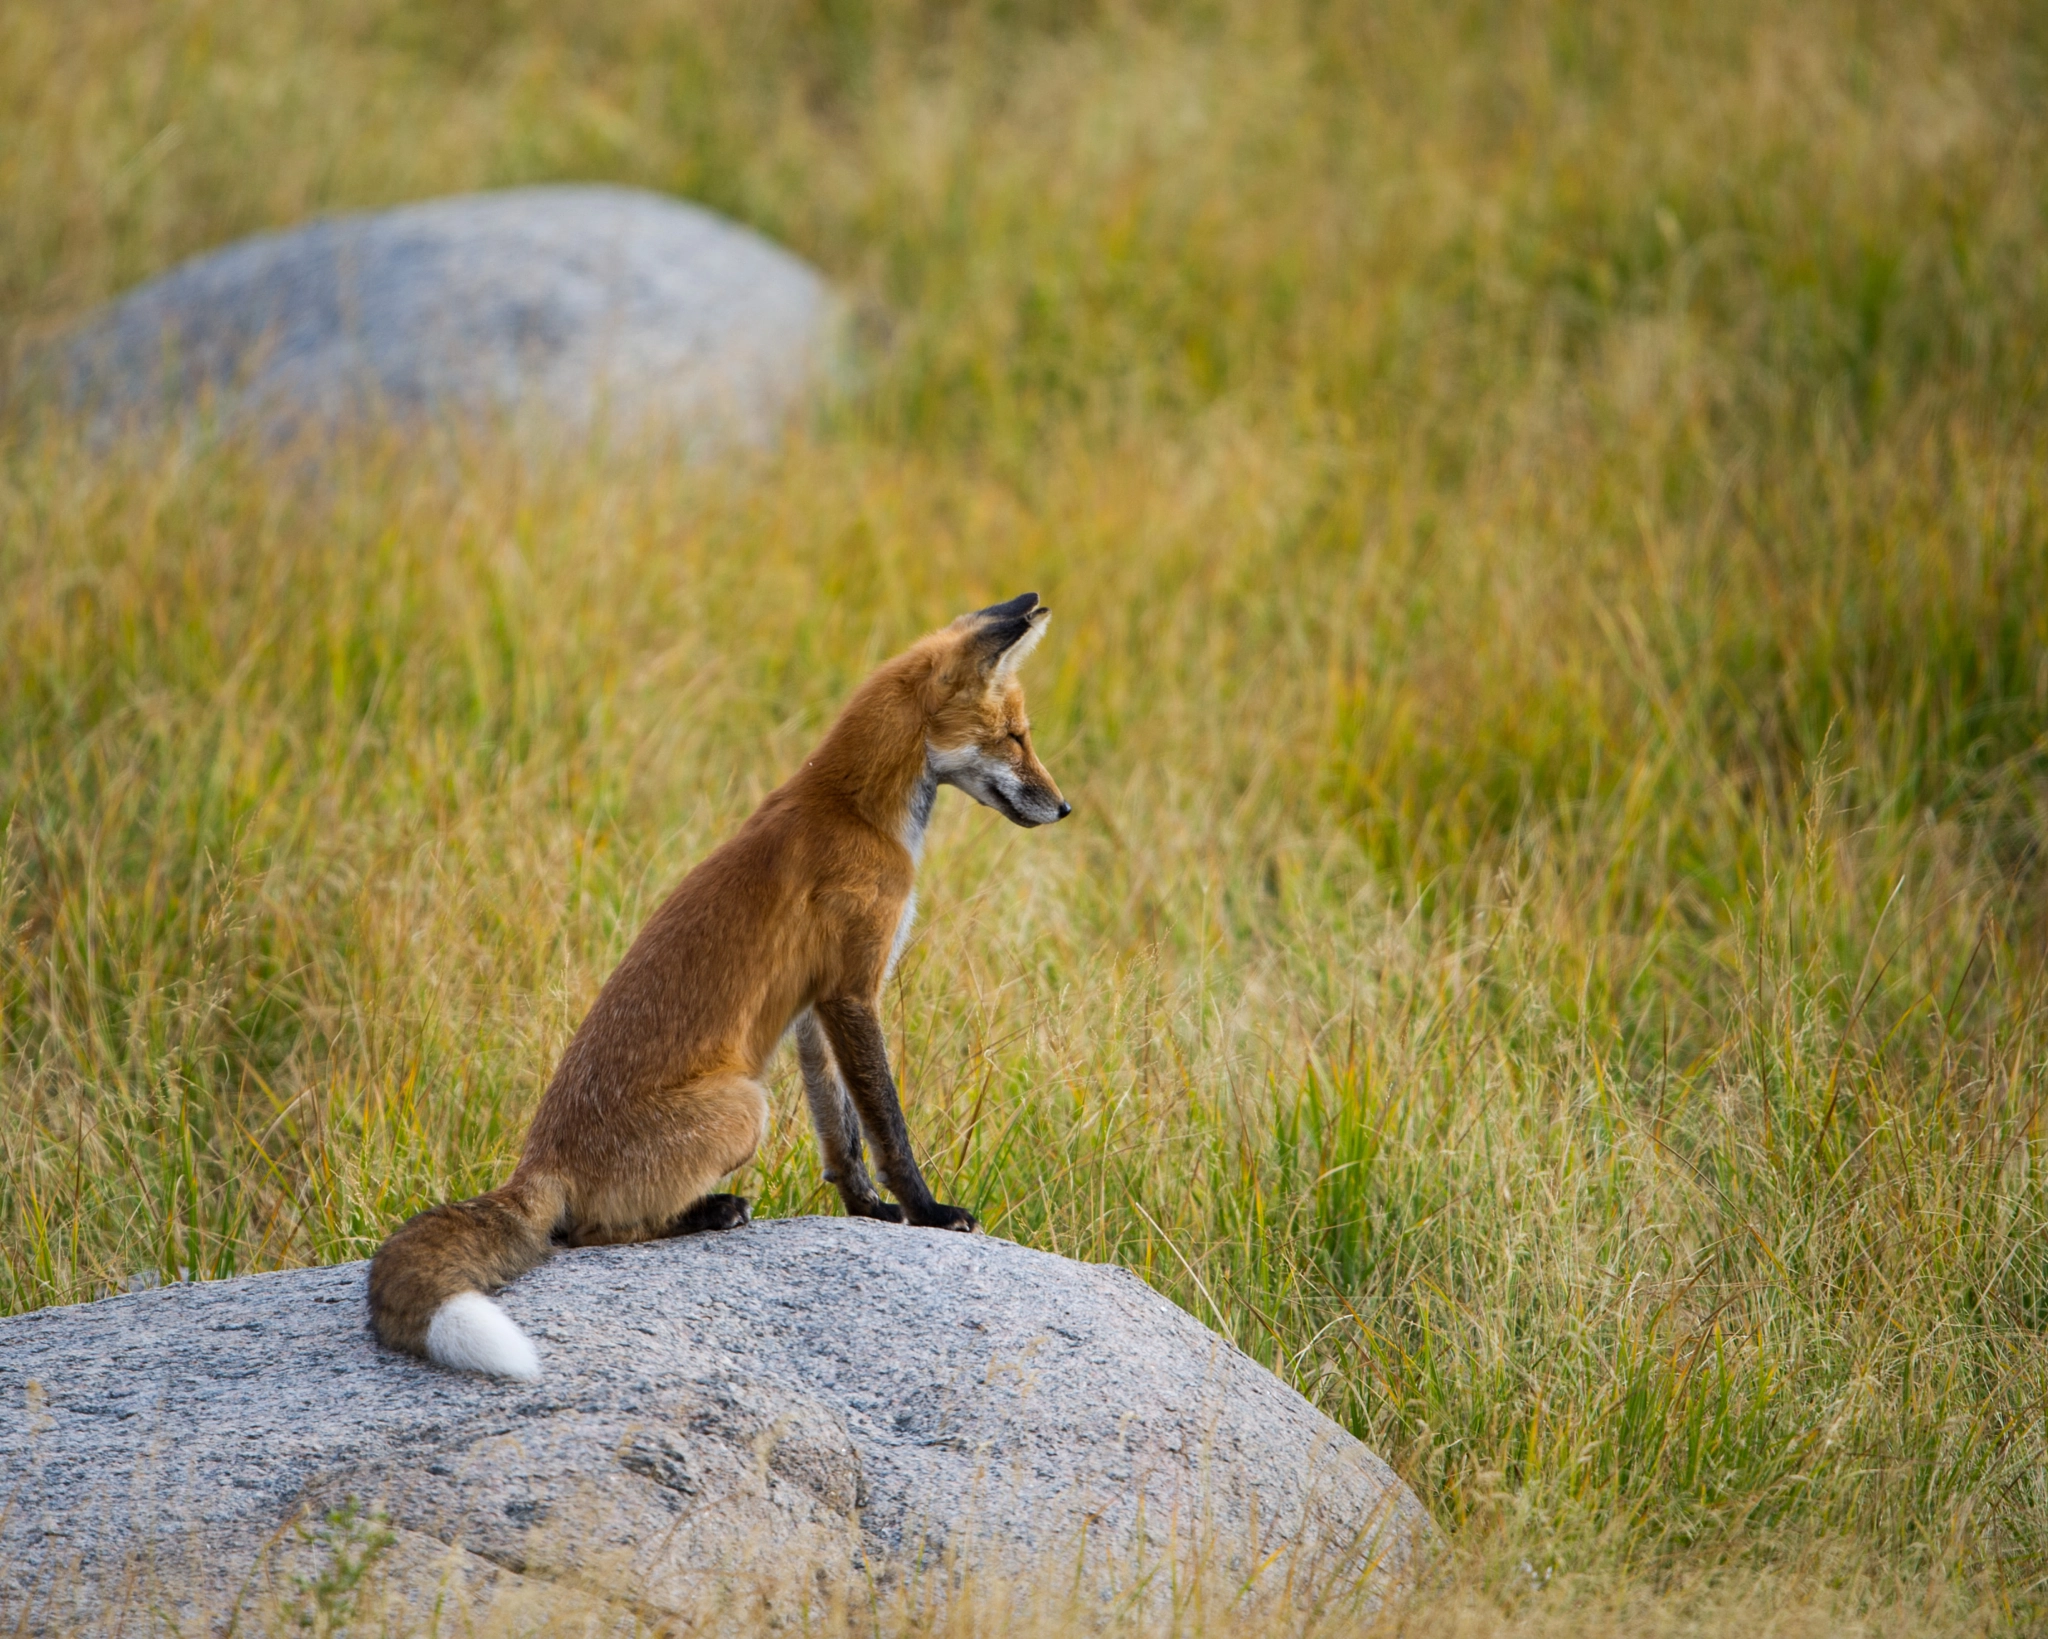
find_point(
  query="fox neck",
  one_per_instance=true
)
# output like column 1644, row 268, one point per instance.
column 875, row 760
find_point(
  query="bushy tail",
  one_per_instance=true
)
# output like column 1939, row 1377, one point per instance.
column 428, row 1281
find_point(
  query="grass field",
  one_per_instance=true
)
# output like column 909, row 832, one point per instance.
column 1547, row 508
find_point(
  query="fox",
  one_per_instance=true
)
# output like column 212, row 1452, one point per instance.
column 790, row 927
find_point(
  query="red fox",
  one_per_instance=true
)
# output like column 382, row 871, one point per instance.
column 796, row 921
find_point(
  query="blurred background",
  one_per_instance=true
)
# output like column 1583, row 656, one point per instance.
column 1546, row 512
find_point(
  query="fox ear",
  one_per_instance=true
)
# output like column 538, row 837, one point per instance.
column 1004, row 633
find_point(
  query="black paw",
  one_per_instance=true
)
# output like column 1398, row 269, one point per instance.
column 713, row 1212
column 876, row 1208
column 938, row 1215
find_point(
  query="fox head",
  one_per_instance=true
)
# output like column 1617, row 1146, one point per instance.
column 977, row 736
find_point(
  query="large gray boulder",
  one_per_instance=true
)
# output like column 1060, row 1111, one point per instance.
column 740, row 1429
column 552, row 308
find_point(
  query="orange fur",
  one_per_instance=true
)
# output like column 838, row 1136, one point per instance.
column 794, row 919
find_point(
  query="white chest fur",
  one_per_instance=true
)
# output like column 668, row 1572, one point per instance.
column 904, row 924
column 919, row 816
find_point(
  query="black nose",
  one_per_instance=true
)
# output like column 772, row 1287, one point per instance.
column 1066, row 808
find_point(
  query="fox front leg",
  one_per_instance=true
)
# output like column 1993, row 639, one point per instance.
column 838, row 1127
column 855, row 1033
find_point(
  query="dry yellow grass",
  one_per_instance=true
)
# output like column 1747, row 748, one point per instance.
column 1546, row 513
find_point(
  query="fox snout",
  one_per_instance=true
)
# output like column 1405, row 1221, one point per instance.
column 1050, row 811
column 1020, row 790
column 1035, row 800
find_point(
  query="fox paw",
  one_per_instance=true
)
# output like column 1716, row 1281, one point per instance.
column 940, row 1216
column 880, row 1210
column 713, row 1212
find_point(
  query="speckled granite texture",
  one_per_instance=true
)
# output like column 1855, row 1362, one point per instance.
column 742, row 1421
column 557, row 308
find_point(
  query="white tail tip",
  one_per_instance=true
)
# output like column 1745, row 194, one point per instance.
column 472, row 1334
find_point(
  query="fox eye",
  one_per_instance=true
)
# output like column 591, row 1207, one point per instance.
column 1019, row 738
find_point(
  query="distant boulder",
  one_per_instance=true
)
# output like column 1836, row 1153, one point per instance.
column 744, row 1429
column 558, row 309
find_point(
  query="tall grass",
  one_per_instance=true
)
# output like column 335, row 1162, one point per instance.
column 1547, row 513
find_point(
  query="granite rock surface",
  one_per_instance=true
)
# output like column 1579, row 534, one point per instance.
column 734, row 1429
column 558, row 309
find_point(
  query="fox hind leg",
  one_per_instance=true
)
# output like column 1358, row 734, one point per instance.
column 838, row 1126
column 714, row 1128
